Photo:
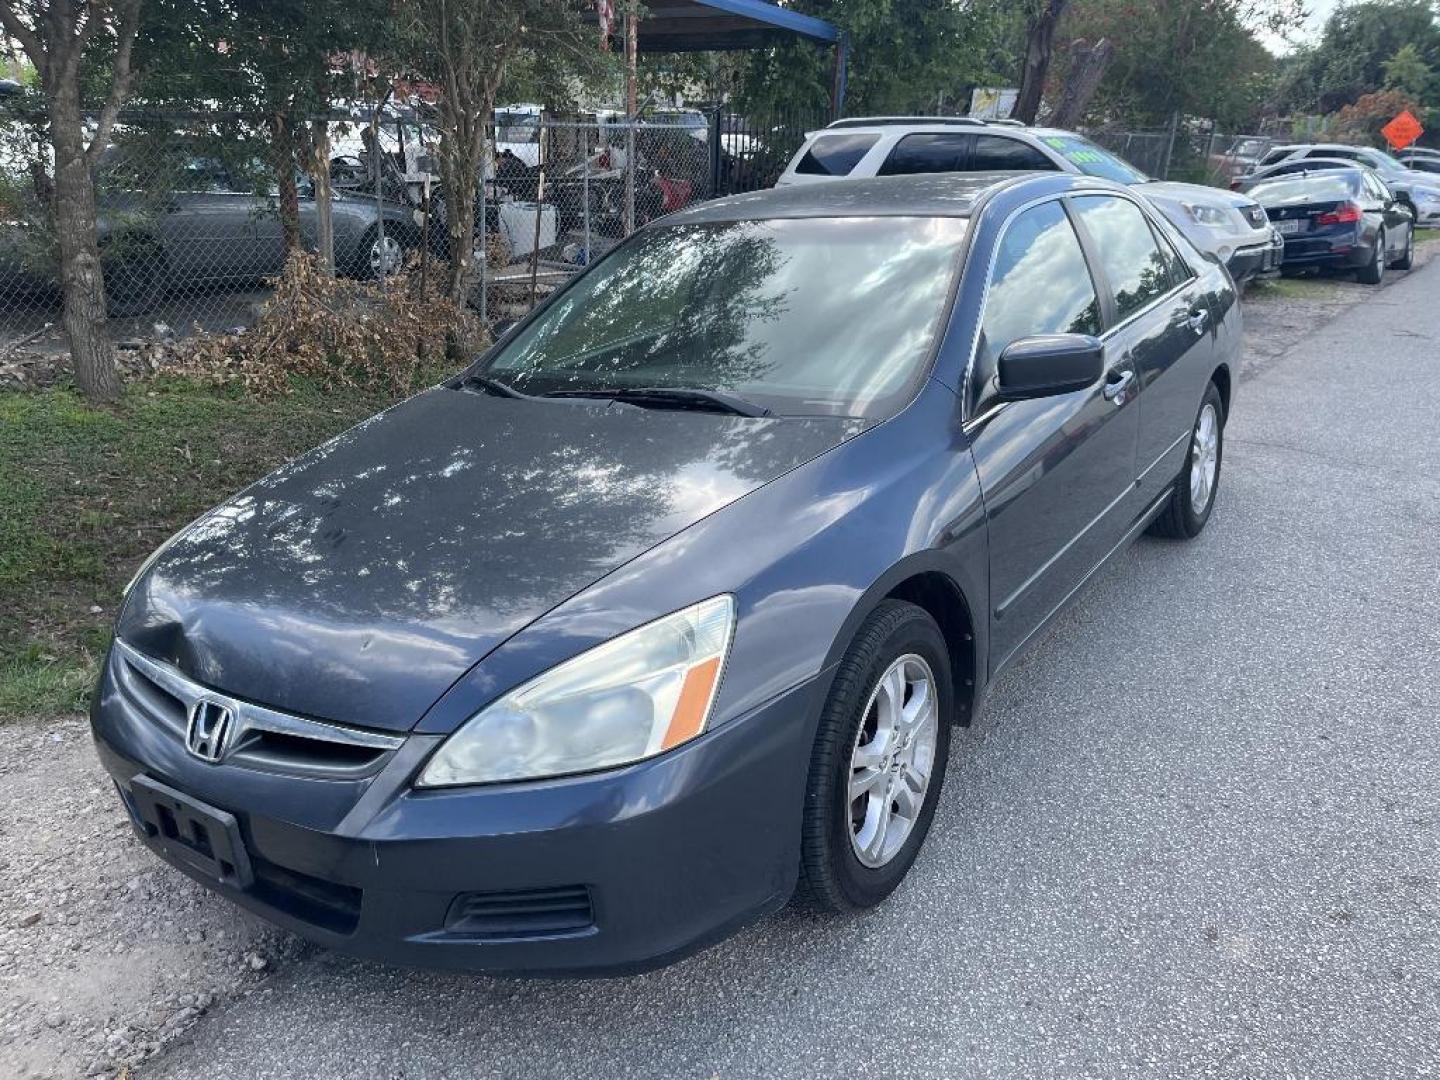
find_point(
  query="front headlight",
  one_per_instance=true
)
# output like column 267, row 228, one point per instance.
column 1207, row 215
column 631, row 698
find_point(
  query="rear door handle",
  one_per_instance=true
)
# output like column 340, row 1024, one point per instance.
column 1197, row 319
column 1116, row 383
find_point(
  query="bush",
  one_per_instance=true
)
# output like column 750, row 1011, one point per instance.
column 388, row 335
column 1360, row 122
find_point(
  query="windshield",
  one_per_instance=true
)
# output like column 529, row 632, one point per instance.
column 1091, row 159
column 812, row 316
column 1327, row 187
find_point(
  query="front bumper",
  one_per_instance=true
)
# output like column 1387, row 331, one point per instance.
column 1257, row 260
column 612, row 872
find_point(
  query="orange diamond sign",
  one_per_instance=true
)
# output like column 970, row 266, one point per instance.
column 1403, row 130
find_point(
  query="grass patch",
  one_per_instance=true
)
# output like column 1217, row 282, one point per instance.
column 1291, row 288
column 86, row 494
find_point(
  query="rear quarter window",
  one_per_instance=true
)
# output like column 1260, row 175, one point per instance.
column 835, row 155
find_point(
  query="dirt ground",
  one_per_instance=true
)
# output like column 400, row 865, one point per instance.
column 107, row 956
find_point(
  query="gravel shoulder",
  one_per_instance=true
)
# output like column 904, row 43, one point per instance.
column 111, row 962
column 106, row 955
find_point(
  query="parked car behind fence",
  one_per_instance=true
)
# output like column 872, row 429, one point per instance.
column 189, row 219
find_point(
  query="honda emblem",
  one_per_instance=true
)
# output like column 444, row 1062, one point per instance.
column 207, row 734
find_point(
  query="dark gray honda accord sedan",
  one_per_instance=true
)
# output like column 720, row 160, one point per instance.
column 667, row 604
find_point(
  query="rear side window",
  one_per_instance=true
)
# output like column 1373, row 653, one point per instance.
column 1127, row 251
column 1001, row 153
column 835, row 155
column 1275, row 155
column 1349, row 155
column 1040, row 284
column 942, row 151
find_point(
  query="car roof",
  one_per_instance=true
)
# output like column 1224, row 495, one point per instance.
column 924, row 195
column 922, row 124
column 1318, row 164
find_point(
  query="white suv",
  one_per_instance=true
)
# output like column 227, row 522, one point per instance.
column 1233, row 227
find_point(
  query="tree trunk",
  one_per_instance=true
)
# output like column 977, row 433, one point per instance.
column 1087, row 68
column 1037, row 61
column 82, row 281
column 324, row 215
column 282, row 148
column 460, row 174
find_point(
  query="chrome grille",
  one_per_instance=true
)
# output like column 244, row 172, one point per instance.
column 263, row 738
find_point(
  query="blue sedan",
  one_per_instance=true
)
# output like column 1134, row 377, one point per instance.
column 666, row 607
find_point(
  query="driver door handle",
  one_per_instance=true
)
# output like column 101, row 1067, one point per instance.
column 1116, row 383
column 1197, row 319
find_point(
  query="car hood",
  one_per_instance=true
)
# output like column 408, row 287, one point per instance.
column 1198, row 194
column 358, row 582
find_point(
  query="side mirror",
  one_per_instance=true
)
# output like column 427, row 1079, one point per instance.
column 501, row 327
column 1049, row 364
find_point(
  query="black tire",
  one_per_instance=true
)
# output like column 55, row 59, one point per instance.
column 1181, row 519
column 1407, row 260
column 832, row 877
column 134, row 272
column 1373, row 272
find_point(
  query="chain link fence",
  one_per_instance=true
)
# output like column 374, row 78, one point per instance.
column 192, row 218
column 1195, row 153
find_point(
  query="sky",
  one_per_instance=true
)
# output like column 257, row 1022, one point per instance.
column 1319, row 11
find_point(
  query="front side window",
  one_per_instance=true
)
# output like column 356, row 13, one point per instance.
column 806, row 316
column 1092, row 160
column 928, row 152
column 836, row 155
column 1126, row 249
column 1039, row 284
column 1001, row 153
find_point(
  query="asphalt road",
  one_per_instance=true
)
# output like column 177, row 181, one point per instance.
column 1194, row 836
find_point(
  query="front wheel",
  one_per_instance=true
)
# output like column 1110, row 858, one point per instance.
column 1193, row 496
column 879, row 760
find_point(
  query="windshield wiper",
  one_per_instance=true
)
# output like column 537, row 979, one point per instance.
column 672, row 397
column 490, row 386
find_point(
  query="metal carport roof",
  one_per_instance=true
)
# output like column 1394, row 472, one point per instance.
column 724, row 25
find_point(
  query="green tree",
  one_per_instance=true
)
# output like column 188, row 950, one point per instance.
column 1407, row 71
column 1350, row 57
column 1198, row 58
column 905, row 56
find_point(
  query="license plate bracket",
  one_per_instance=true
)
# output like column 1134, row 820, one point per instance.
column 189, row 831
column 1290, row 228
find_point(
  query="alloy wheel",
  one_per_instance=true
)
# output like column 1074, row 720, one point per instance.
column 1204, row 458
column 892, row 760
column 386, row 256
